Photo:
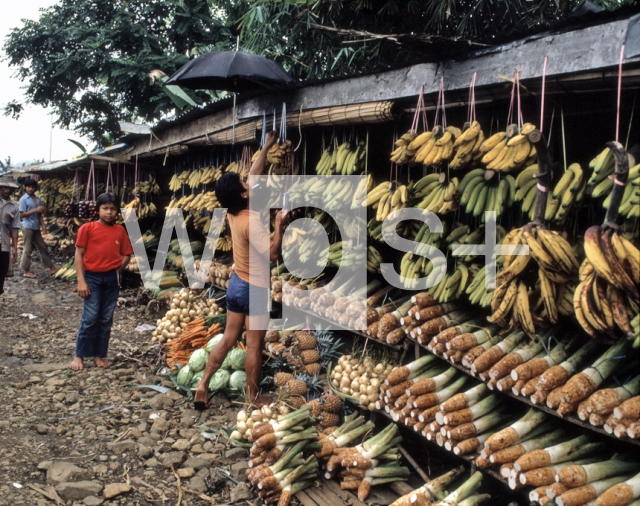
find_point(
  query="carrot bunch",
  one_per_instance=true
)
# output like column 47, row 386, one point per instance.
column 193, row 337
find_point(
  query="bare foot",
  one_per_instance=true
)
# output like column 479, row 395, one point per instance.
column 30, row 275
column 201, row 398
column 76, row 364
column 101, row 363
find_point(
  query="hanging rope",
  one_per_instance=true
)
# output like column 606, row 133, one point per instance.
column 420, row 112
column 471, row 113
column 520, row 122
column 544, row 81
column 109, row 178
column 263, row 137
column 619, row 92
column 90, row 180
column 283, row 122
column 440, row 107
column 513, row 96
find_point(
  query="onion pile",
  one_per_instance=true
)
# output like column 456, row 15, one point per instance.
column 245, row 420
column 220, row 274
column 185, row 307
column 360, row 378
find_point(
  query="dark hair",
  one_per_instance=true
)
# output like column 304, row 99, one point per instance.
column 106, row 198
column 229, row 192
column 30, row 182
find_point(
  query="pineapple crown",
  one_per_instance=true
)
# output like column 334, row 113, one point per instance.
column 328, row 347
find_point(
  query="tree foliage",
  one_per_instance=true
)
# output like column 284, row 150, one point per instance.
column 90, row 59
column 332, row 37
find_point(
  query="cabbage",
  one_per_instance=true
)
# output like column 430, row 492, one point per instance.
column 196, row 379
column 212, row 342
column 219, row 380
column 185, row 375
column 226, row 363
column 238, row 380
column 198, row 360
column 237, row 358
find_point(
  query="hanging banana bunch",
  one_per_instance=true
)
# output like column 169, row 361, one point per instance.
column 175, row 184
column 224, row 243
column 630, row 205
column 441, row 197
column 453, row 284
column 374, row 259
column 481, row 191
column 552, row 258
column 509, row 151
column 407, row 229
column 184, row 176
column 467, row 146
column 477, row 290
column 568, row 191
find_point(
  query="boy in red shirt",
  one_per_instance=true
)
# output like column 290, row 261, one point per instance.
column 103, row 250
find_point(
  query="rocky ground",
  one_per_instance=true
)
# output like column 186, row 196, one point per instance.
column 101, row 436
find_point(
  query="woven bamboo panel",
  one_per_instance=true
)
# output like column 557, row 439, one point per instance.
column 371, row 112
column 244, row 132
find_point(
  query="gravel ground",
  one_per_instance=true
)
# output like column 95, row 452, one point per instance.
column 96, row 436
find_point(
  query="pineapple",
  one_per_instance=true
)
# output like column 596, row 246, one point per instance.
column 329, row 419
column 310, row 356
column 282, row 378
column 272, row 336
column 313, row 369
column 331, row 403
column 316, row 407
column 296, row 402
column 296, row 387
column 305, row 340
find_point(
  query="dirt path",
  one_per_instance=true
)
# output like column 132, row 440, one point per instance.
column 95, row 433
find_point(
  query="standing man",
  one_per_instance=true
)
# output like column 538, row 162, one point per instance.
column 33, row 229
column 9, row 225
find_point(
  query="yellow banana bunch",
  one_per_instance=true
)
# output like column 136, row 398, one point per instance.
column 232, row 167
column 147, row 211
column 607, row 300
column 194, row 178
column 211, row 174
column 467, row 146
column 481, row 191
column 175, row 184
column 278, row 152
column 504, row 153
column 514, row 302
column 403, row 154
column 441, row 197
column 184, row 176
column 147, row 187
column 365, row 186
column 224, row 243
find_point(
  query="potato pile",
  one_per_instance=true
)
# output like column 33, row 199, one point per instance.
column 220, row 274
column 360, row 378
column 185, row 307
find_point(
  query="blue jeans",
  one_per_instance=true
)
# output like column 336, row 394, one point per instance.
column 97, row 314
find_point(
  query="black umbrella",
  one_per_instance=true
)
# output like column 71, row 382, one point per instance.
column 231, row 71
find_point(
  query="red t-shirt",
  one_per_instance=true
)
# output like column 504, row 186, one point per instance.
column 105, row 246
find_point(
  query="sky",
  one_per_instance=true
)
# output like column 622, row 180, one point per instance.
column 28, row 138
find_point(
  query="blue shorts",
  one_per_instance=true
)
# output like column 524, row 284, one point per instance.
column 240, row 293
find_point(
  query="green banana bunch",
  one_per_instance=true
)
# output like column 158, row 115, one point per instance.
column 374, row 258
column 407, row 229
column 440, row 196
column 481, row 191
column 630, row 205
column 452, row 285
column 568, row 191
column 342, row 160
column 603, row 166
column 477, row 291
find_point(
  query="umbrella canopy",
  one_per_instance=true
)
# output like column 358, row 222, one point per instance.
column 231, row 71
